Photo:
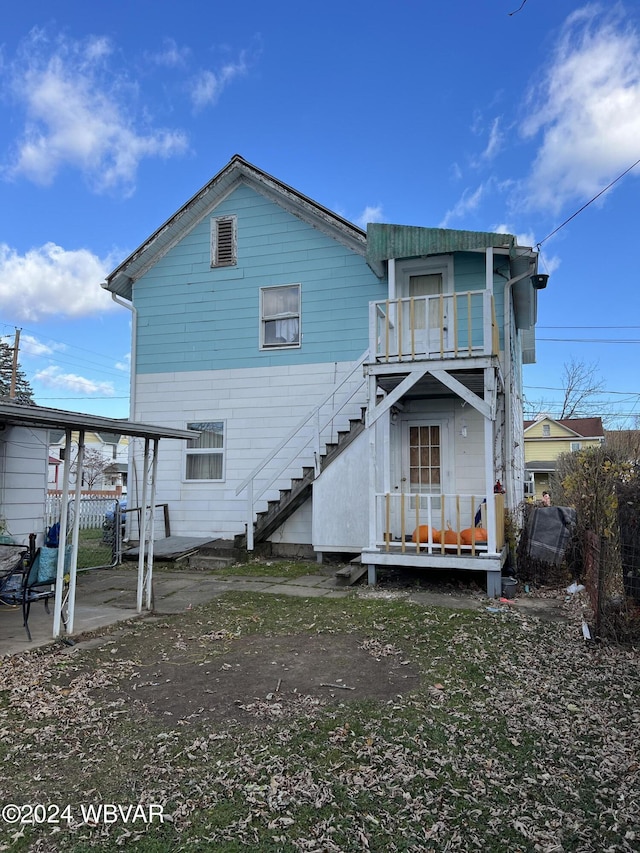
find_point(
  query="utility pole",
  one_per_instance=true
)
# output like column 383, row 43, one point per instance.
column 14, row 367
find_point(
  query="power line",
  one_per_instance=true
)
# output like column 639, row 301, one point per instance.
column 591, row 340
column 555, row 388
column 586, row 327
column 584, row 206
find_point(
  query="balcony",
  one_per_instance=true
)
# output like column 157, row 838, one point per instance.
column 444, row 326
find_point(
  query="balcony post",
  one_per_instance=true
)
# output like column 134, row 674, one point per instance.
column 489, row 465
column 486, row 303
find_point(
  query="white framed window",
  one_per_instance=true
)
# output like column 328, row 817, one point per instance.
column 575, row 445
column 546, row 430
column 280, row 314
column 224, row 241
column 205, row 454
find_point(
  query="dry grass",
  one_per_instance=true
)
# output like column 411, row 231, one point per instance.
column 515, row 736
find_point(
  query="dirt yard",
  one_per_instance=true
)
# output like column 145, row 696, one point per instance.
column 262, row 678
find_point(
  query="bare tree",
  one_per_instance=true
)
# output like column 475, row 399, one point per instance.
column 626, row 442
column 94, row 467
column 581, row 385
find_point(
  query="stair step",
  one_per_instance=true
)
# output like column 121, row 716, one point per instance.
column 352, row 573
column 290, row 499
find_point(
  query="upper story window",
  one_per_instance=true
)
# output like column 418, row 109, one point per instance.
column 546, row 430
column 280, row 316
column 205, row 454
column 223, row 241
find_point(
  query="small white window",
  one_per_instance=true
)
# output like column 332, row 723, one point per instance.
column 546, row 430
column 280, row 316
column 205, row 454
column 575, row 445
column 223, row 241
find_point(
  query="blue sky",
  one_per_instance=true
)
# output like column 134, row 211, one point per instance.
column 435, row 114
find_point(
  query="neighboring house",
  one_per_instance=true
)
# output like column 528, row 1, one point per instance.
column 547, row 438
column 106, row 460
column 348, row 386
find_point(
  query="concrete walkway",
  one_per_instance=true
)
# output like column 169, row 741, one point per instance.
column 107, row 596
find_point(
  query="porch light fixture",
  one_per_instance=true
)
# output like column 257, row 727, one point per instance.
column 539, row 281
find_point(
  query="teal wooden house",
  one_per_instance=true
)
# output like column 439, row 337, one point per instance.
column 355, row 392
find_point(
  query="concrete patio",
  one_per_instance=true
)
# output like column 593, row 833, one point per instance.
column 107, row 596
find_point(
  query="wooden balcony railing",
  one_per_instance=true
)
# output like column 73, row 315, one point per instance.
column 447, row 325
column 447, row 524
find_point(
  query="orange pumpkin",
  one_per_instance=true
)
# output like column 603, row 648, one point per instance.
column 421, row 534
column 473, row 534
column 450, row 537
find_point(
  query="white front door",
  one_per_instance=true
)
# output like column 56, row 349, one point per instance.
column 425, row 471
column 425, row 320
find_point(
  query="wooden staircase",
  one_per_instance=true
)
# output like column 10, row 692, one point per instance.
column 278, row 511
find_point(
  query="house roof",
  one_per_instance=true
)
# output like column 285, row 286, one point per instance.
column 15, row 414
column 541, row 467
column 583, row 427
column 236, row 172
column 406, row 241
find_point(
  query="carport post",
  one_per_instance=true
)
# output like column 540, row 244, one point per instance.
column 152, row 524
column 73, row 568
column 57, row 607
column 143, row 524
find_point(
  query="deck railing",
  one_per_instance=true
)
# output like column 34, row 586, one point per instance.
column 447, row 325
column 438, row 523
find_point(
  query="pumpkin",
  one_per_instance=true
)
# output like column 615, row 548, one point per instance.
column 450, row 537
column 421, row 534
column 479, row 534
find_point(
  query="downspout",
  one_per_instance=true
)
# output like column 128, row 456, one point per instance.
column 132, row 482
column 510, row 496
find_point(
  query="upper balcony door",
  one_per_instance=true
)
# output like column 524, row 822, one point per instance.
column 424, row 283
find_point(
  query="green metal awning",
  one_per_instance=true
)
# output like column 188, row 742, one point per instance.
column 409, row 241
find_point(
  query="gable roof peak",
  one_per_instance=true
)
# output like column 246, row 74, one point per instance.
column 237, row 170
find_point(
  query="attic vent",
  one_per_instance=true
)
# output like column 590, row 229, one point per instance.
column 223, row 241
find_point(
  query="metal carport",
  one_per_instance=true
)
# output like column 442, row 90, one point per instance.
column 40, row 417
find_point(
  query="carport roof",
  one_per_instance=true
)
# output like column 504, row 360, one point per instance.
column 15, row 414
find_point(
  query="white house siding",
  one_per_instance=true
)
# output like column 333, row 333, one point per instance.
column 296, row 530
column 23, row 471
column 260, row 407
column 341, row 501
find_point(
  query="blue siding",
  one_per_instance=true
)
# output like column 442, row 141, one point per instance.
column 192, row 317
column 470, row 274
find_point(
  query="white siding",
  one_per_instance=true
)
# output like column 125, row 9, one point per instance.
column 259, row 407
column 341, row 501
column 24, row 455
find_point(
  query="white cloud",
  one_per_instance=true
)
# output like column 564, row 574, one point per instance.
column 370, row 214
column 586, row 109
column 52, row 377
column 125, row 364
column 51, row 281
column 207, row 86
column 33, row 346
column 495, row 141
column 467, row 204
column 171, row 56
column 76, row 115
